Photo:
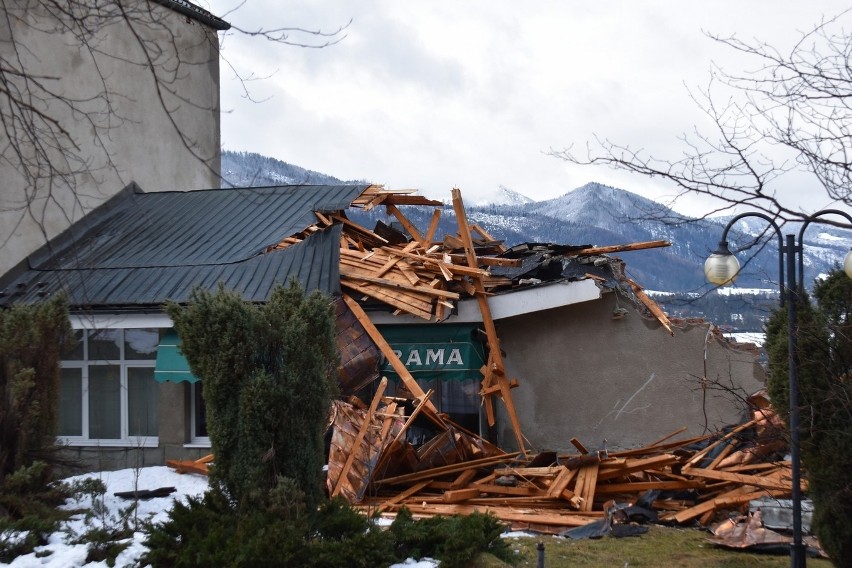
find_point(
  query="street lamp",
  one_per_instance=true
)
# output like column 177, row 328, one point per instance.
column 721, row 268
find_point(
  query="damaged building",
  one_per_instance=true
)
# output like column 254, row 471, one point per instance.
column 458, row 316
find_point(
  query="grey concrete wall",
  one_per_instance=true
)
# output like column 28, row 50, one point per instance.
column 627, row 381
column 124, row 127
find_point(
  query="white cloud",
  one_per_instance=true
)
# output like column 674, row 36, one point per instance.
column 441, row 94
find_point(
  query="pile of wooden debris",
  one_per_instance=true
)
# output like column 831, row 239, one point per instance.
column 373, row 465
column 457, row 472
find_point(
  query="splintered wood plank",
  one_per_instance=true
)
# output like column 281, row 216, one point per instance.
column 187, row 466
column 587, row 478
column 487, row 321
column 490, row 260
column 652, row 306
column 485, row 235
column 358, row 229
column 776, row 481
column 412, row 200
column 459, row 495
column 396, row 364
column 547, row 471
column 447, row 469
column 634, row 465
column 387, row 283
column 561, row 482
column 433, row 228
column 434, row 263
column 408, row 271
column 639, row 486
column 463, row 479
column 380, row 391
column 389, row 416
column 545, row 517
column 579, row 445
column 409, row 226
column 399, row 497
column 700, row 455
column 620, row 248
column 408, row 304
column 323, row 219
column 736, row 496
column 420, row 405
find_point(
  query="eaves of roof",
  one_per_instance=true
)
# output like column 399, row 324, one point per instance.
column 196, row 13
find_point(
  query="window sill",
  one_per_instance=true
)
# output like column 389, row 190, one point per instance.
column 78, row 443
column 200, row 444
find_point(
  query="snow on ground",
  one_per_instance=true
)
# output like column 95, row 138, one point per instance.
column 61, row 553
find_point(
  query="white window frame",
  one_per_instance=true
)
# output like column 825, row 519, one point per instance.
column 195, row 441
column 125, row 439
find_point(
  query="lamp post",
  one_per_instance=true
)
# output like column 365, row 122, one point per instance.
column 721, row 268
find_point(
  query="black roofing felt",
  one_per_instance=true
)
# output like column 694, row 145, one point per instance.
column 140, row 249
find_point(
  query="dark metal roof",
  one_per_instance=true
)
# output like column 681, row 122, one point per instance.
column 196, row 13
column 140, row 249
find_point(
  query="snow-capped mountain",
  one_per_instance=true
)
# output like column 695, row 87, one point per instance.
column 503, row 196
column 247, row 169
column 593, row 214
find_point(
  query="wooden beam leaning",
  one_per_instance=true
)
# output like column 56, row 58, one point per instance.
column 409, row 226
column 487, row 321
column 652, row 306
column 397, row 365
column 362, row 431
column 433, row 228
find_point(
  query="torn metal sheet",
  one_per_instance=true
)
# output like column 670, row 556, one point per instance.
column 749, row 533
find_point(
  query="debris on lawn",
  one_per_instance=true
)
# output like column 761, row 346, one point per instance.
column 374, row 465
column 748, row 532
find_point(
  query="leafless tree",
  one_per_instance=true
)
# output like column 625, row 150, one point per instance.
column 66, row 110
column 794, row 104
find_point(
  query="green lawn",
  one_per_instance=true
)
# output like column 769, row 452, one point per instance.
column 661, row 546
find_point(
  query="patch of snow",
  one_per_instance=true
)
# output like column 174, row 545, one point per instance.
column 735, row 291
column 59, row 552
column 423, row 563
column 747, row 337
column 503, row 196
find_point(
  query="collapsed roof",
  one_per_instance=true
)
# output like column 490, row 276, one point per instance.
column 140, row 250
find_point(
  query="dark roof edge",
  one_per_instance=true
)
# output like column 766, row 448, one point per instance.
column 196, row 13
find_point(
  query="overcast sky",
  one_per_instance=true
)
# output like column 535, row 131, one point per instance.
column 432, row 95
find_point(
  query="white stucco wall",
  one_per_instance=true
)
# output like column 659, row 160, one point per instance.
column 124, row 129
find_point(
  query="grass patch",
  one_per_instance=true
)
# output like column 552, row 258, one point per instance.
column 661, row 546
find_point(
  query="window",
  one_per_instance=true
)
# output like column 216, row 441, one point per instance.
column 108, row 395
column 198, row 416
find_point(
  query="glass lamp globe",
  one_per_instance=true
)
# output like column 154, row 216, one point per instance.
column 722, row 267
column 847, row 264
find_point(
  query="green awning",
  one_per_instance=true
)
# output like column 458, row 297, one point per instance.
column 171, row 364
column 448, row 352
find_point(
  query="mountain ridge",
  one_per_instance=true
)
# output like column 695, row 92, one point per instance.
column 594, row 214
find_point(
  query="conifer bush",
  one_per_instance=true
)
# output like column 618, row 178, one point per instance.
column 32, row 338
column 268, row 377
column 824, row 345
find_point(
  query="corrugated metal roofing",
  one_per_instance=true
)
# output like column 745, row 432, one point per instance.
column 141, row 249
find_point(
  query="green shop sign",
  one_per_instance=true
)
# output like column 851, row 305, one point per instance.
column 449, row 352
